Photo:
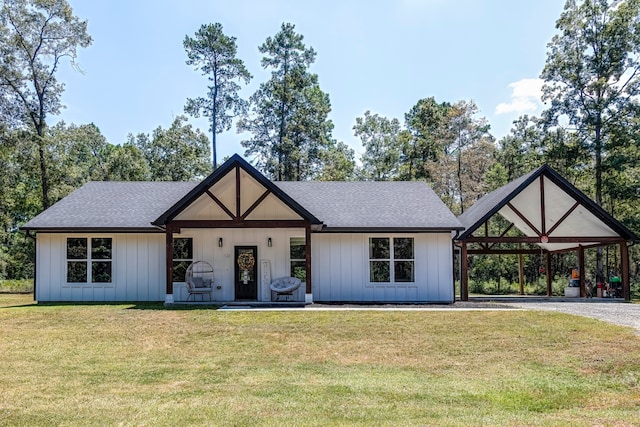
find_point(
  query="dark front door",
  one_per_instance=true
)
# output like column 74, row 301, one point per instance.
column 246, row 272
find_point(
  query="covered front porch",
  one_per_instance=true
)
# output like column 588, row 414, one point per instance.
column 271, row 253
column 245, row 229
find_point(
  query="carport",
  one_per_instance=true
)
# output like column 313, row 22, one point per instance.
column 545, row 212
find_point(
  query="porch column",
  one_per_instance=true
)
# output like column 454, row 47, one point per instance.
column 169, row 263
column 583, row 292
column 464, row 273
column 307, row 242
column 624, row 266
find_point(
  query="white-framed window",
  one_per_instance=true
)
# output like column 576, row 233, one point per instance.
column 298, row 258
column 391, row 260
column 182, row 257
column 89, row 260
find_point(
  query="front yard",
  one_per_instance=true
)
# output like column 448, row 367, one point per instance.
column 143, row 365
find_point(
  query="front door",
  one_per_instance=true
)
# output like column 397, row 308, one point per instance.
column 246, row 272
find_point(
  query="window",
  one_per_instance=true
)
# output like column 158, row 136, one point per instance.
column 77, row 259
column 80, row 258
column 182, row 257
column 298, row 258
column 391, row 260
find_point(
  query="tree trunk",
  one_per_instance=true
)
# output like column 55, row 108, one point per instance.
column 598, row 154
column 44, row 173
column 214, row 118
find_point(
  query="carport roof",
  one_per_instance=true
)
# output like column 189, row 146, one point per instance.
column 548, row 210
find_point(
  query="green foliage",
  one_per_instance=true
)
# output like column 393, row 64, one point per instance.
column 35, row 37
column 289, row 112
column 591, row 76
column 214, row 54
column 16, row 286
column 380, row 137
column 424, row 122
column 466, row 154
column 338, row 163
column 179, row 153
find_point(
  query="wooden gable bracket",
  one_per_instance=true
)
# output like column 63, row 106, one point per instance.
column 524, row 218
column 564, row 217
column 255, row 204
column 219, row 203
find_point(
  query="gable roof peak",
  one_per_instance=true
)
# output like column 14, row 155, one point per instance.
column 235, row 161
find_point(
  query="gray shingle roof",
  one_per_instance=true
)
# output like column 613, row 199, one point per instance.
column 377, row 205
column 111, row 205
column 340, row 205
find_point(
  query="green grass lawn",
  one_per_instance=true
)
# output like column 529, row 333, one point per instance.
column 143, row 365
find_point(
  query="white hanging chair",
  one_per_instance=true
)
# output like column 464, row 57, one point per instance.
column 199, row 279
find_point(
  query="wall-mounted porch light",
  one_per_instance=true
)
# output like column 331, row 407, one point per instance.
column 220, row 242
column 269, row 242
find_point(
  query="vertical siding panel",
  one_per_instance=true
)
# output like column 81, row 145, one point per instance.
column 142, row 293
column 129, row 293
column 55, row 255
column 336, row 265
column 422, row 267
column 322, row 278
column 446, row 270
column 432, row 265
column 45, row 280
column 155, row 265
column 346, row 267
column 109, row 290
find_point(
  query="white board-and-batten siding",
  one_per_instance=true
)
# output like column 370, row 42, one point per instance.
column 137, row 269
column 340, row 269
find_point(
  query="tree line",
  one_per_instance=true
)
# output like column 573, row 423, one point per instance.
column 588, row 132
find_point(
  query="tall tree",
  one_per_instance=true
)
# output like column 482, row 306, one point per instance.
column 592, row 72
column 179, row 153
column 338, row 163
column 424, row 122
column 381, row 139
column 214, row 54
column 289, row 112
column 36, row 36
column 464, row 140
column 592, row 77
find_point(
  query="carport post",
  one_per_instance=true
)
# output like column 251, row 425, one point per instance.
column 624, row 266
column 583, row 292
column 549, row 275
column 464, row 274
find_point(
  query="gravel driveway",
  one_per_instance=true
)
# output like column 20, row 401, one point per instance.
column 617, row 313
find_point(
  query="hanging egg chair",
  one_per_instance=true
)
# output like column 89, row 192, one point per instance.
column 199, row 279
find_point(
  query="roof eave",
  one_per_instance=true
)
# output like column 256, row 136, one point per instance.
column 391, row 229
column 92, row 229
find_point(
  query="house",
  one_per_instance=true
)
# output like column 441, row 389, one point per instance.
column 347, row 241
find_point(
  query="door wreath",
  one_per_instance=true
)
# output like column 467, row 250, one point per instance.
column 246, row 263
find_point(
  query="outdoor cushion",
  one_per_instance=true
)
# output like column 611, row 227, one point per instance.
column 197, row 282
column 285, row 285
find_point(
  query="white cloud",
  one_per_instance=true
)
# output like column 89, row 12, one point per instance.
column 525, row 97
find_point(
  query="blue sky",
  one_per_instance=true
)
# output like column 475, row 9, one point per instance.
column 381, row 56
